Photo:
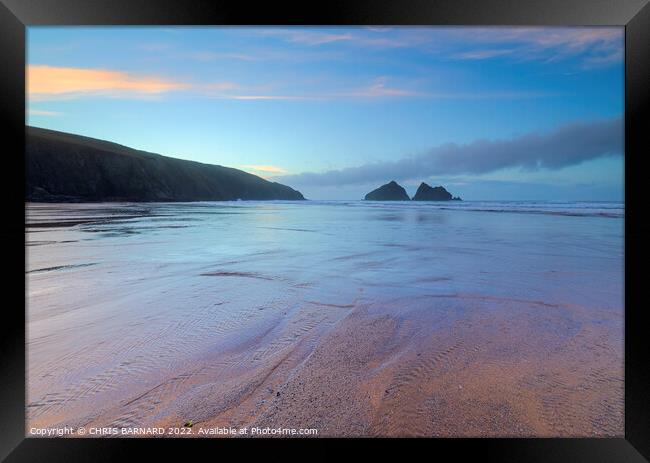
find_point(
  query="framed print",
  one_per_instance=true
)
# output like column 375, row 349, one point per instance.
column 415, row 224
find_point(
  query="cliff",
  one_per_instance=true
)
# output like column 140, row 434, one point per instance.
column 66, row 167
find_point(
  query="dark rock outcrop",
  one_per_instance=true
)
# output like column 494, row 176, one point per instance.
column 439, row 193
column 389, row 192
column 66, row 167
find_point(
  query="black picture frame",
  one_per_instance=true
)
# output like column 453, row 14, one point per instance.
column 16, row 15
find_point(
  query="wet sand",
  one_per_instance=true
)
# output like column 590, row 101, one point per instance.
column 506, row 368
column 236, row 344
column 375, row 374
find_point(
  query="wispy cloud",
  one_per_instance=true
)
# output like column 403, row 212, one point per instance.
column 267, row 97
column 213, row 56
column 368, row 36
column 380, row 88
column 45, row 82
column 50, row 82
column 216, row 87
column 593, row 46
column 483, row 54
column 264, row 168
column 306, row 36
column 565, row 146
column 42, row 112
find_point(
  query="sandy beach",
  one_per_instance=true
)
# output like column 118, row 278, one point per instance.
column 376, row 374
column 348, row 319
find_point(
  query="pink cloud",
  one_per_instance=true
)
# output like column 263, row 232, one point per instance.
column 51, row 81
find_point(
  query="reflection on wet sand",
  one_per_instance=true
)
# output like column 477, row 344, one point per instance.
column 441, row 323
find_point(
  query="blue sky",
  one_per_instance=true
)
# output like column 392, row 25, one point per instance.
column 491, row 113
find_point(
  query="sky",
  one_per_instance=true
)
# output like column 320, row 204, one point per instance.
column 491, row 113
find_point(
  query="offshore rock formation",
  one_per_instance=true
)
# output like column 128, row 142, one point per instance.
column 439, row 193
column 389, row 192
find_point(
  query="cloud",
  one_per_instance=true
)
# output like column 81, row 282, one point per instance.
column 218, row 87
column 378, row 28
column 602, row 60
column 55, row 83
column 45, row 82
column 264, row 168
column 379, row 88
column 483, row 54
column 213, row 56
column 375, row 37
column 310, row 37
column 565, row 146
column 49, row 82
column 41, row 112
column 591, row 46
column 267, row 97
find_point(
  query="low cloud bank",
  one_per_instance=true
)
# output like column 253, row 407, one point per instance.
column 565, row 146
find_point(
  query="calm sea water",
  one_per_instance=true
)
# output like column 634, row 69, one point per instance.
column 119, row 292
